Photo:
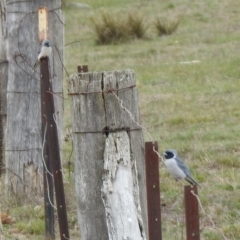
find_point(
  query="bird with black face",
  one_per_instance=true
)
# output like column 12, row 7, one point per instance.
column 45, row 50
column 176, row 166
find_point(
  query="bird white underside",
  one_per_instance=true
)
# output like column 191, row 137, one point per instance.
column 173, row 168
column 45, row 52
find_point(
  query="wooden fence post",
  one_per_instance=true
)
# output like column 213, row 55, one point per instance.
column 23, row 135
column 3, row 79
column 109, row 156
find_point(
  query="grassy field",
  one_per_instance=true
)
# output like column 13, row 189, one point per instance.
column 188, row 96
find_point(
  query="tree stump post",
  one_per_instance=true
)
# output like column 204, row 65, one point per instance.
column 110, row 175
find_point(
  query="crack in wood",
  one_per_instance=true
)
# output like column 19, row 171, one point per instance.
column 110, row 202
column 123, row 211
column 104, row 103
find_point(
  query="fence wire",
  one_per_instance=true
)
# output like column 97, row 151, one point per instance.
column 19, row 58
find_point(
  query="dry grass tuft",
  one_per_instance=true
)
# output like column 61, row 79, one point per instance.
column 136, row 26
column 111, row 29
column 165, row 26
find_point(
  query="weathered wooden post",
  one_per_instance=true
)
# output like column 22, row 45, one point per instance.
column 24, row 172
column 109, row 156
column 3, row 78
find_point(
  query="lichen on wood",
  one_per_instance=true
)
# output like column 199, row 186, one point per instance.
column 102, row 128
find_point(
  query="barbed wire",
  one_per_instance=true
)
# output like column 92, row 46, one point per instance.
column 22, row 61
column 48, row 192
column 66, row 237
column 133, row 119
column 8, row 3
column 19, row 58
column 70, row 43
column 208, row 216
column 131, row 115
column 107, row 91
column 61, row 60
column 17, row 175
column 19, row 53
column 149, row 135
column 43, row 145
column 62, row 137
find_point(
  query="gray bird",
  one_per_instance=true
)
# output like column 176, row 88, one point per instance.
column 45, row 50
column 177, row 167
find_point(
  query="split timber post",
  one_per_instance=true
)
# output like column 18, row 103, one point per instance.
column 110, row 178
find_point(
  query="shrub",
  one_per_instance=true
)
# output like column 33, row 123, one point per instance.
column 136, row 26
column 109, row 29
column 119, row 28
column 166, row 26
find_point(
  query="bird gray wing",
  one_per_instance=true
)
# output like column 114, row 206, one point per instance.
column 191, row 180
column 183, row 166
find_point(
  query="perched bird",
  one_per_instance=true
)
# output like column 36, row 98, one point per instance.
column 45, row 50
column 177, row 167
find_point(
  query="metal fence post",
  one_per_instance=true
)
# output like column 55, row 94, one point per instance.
column 83, row 68
column 153, row 191
column 191, row 213
column 52, row 146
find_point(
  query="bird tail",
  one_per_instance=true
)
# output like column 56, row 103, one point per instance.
column 35, row 65
column 192, row 181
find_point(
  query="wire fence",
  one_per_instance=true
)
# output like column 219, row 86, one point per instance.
column 68, row 137
column 21, row 59
column 120, row 101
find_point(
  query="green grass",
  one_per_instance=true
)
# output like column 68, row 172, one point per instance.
column 190, row 106
column 36, row 227
column 185, row 104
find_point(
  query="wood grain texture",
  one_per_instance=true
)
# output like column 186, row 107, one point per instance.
column 3, row 57
column 92, row 113
column 24, row 143
column 122, row 205
column 3, row 78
